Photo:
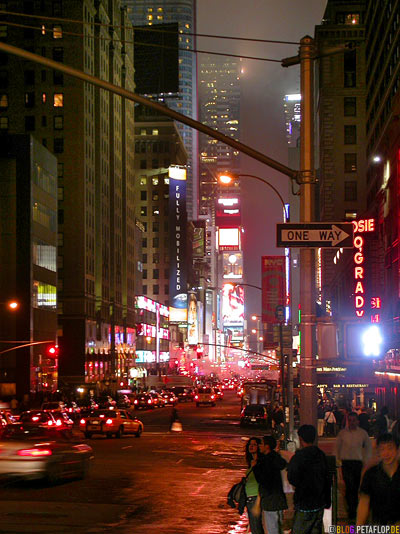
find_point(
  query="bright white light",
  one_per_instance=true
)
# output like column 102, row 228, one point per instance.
column 241, row 363
column 376, row 159
column 292, row 97
column 372, row 341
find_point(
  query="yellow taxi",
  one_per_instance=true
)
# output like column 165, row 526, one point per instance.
column 110, row 422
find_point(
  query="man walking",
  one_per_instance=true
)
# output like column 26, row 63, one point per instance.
column 268, row 474
column 308, row 472
column 353, row 449
column 380, row 487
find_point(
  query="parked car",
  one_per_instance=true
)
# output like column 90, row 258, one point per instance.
column 254, row 414
column 205, row 395
column 109, row 422
column 32, row 452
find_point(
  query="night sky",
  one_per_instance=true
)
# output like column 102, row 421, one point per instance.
column 263, row 86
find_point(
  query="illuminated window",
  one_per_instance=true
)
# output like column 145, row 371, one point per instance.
column 143, row 211
column 143, row 180
column 44, row 296
column 57, row 32
column 43, row 29
column 149, row 17
column 143, row 131
column 350, row 215
column 160, row 9
column 3, row 123
column 350, row 162
column 154, row 181
column 44, row 98
column 44, row 255
column 3, row 101
column 154, row 131
column 166, row 181
column 58, row 100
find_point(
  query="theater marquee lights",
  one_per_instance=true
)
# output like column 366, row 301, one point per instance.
column 362, row 228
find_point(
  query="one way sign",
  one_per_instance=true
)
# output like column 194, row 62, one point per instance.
column 315, row 235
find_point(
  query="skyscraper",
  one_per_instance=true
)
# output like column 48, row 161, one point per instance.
column 151, row 12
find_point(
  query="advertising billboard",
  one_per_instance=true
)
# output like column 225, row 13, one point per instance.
column 192, row 320
column 232, row 305
column 232, row 265
column 199, row 241
column 178, row 238
column 228, row 212
column 273, row 286
column 228, row 239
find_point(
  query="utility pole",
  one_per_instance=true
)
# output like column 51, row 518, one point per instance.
column 308, row 377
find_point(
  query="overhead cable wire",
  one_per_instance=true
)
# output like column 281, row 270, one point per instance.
column 193, row 50
column 148, row 28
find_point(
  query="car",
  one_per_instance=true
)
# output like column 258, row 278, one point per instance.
column 184, row 394
column 111, row 422
column 43, row 419
column 52, row 406
column 34, row 452
column 205, row 395
column 219, row 393
column 142, row 401
column 254, row 414
column 169, row 398
column 158, row 400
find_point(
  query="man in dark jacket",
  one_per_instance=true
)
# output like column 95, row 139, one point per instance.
column 268, row 474
column 308, row 473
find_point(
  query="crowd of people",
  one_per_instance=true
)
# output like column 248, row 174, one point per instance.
column 368, row 469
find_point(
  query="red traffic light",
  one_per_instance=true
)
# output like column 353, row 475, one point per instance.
column 52, row 351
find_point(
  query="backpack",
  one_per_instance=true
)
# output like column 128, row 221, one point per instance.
column 237, row 495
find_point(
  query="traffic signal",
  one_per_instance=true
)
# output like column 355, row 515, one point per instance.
column 200, row 352
column 52, row 351
column 364, row 340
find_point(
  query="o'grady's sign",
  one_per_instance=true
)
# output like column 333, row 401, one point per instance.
column 361, row 228
column 178, row 225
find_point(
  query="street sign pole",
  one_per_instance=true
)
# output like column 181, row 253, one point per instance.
column 308, row 378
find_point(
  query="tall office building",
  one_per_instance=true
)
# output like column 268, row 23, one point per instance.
column 340, row 105
column 151, row 12
column 219, row 108
column 91, row 133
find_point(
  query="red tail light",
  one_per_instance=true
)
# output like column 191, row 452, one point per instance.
column 34, row 452
column 70, row 410
column 35, row 418
column 109, row 422
column 58, row 422
column 135, row 401
column 82, row 421
column 49, row 423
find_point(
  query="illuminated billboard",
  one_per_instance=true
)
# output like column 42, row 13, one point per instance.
column 178, row 238
column 228, row 239
column 228, row 212
column 232, row 264
column 192, row 320
column 273, row 286
column 232, row 305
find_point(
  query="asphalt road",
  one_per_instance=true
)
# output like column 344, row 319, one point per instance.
column 164, row 482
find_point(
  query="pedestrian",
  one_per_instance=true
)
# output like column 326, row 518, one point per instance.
column 382, row 422
column 268, row 475
column 309, row 474
column 175, row 424
column 353, row 449
column 330, row 421
column 363, row 419
column 252, row 487
column 380, row 486
column 321, row 419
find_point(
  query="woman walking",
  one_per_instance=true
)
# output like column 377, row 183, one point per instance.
column 253, row 501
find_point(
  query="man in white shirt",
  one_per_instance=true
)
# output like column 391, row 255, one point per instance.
column 353, row 449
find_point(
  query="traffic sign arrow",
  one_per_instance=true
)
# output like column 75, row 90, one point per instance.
column 315, row 235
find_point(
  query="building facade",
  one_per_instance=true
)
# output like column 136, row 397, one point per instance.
column 91, row 133
column 28, row 254
column 149, row 12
